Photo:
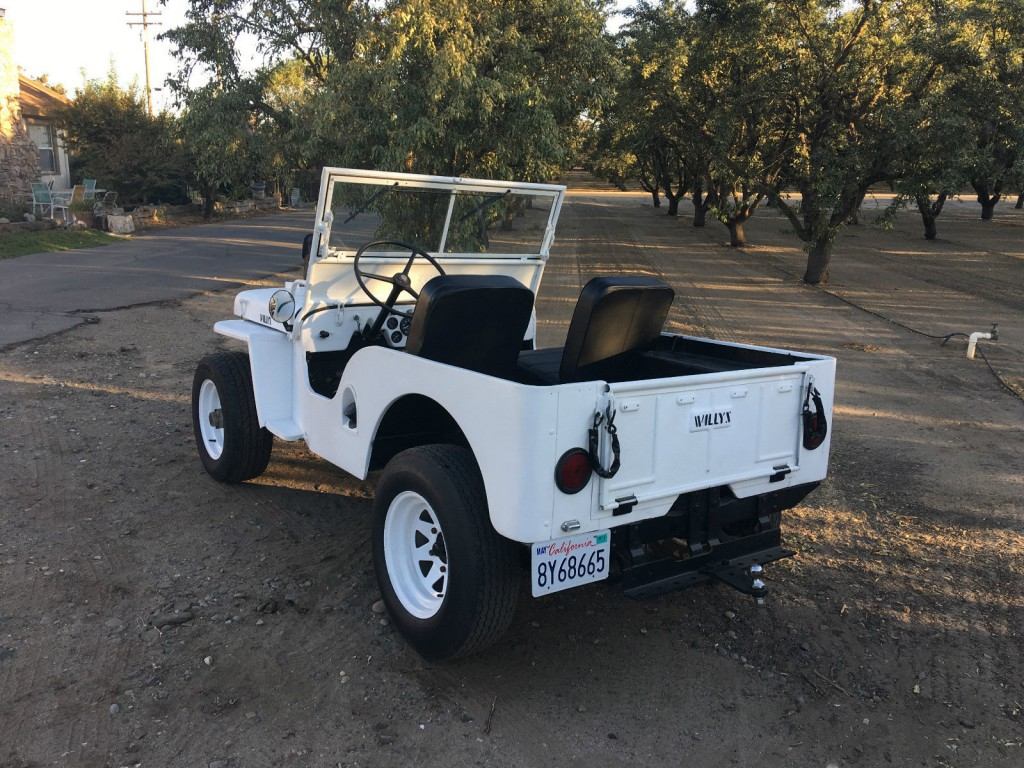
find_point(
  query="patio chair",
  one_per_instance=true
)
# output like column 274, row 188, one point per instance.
column 62, row 201
column 41, row 197
column 106, row 207
column 89, row 186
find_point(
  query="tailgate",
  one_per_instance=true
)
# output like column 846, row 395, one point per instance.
column 677, row 436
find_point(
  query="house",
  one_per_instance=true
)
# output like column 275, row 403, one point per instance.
column 31, row 148
column 39, row 106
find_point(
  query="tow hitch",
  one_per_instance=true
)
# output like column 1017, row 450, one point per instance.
column 737, row 563
column 749, row 581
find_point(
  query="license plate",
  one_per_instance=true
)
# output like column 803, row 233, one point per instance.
column 570, row 562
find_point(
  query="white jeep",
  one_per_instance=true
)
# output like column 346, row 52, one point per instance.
column 656, row 459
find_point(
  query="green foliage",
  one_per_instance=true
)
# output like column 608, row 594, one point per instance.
column 442, row 86
column 846, row 74
column 988, row 89
column 113, row 140
column 643, row 132
column 481, row 87
column 739, row 118
column 225, row 152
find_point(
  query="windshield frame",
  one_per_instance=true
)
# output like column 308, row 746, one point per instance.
column 454, row 184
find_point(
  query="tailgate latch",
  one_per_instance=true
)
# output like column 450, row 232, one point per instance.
column 625, row 505
column 779, row 473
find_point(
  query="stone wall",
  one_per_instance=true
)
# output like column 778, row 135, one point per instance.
column 19, row 166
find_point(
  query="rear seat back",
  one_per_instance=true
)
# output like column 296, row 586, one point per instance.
column 615, row 319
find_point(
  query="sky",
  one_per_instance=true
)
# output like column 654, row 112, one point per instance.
column 61, row 38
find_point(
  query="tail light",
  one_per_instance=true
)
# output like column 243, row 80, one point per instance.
column 573, row 470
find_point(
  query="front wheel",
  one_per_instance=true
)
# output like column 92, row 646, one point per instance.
column 231, row 443
column 449, row 581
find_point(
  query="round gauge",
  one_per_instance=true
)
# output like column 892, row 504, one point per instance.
column 406, row 322
column 396, row 337
column 392, row 323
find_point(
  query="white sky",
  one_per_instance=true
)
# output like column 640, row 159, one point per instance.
column 60, row 38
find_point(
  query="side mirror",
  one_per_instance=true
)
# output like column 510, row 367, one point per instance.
column 281, row 307
column 307, row 247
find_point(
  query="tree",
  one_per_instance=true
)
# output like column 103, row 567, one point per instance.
column 737, row 118
column 844, row 72
column 991, row 96
column 640, row 126
column 113, row 139
column 319, row 33
column 224, row 150
column 478, row 87
column 930, row 166
column 438, row 86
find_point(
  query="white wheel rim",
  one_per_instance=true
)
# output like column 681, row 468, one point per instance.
column 211, row 419
column 415, row 554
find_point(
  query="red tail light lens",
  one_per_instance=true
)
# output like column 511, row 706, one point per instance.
column 573, row 470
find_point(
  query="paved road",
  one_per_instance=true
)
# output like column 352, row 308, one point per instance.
column 45, row 293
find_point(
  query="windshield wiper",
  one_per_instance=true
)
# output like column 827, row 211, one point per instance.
column 486, row 204
column 369, row 202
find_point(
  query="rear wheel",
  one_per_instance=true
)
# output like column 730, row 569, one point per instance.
column 232, row 446
column 449, row 581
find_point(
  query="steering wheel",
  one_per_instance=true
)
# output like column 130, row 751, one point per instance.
column 400, row 282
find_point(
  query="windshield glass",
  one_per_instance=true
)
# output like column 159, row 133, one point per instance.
column 449, row 218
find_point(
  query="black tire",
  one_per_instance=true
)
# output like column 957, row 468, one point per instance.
column 484, row 575
column 246, row 446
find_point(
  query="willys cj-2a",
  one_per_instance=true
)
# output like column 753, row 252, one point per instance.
column 658, row 459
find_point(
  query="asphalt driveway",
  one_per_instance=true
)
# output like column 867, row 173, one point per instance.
column 45, row 293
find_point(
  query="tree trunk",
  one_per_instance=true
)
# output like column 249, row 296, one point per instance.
column 818, row 258
column 924, row 205
column 855, row 216
column 1020, row 201
column 656, row 198
column 208, row 201
column 737, row 237
column 988, row 201
column 673, row 204
column 701, row 203
column 930, row 230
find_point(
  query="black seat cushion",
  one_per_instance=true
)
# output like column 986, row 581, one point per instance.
column 615, row 319
column 540, row 366
column 471, row 321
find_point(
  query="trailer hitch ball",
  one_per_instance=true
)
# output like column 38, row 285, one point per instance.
column 757, row 585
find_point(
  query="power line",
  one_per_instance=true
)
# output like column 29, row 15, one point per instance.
column 145, row 24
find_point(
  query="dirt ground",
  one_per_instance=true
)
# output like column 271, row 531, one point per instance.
column 894, row 638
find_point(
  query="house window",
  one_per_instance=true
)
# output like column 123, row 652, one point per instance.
column 45, row 139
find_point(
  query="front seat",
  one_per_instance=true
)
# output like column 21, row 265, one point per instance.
column 615, row 319
column 475, row 322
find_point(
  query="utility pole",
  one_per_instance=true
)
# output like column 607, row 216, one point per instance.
column 145, row 24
